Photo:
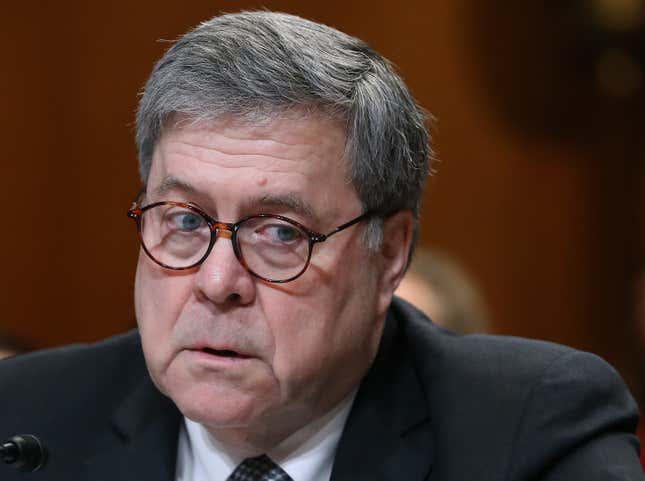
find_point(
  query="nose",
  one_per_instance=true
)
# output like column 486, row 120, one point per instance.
column 221, row 278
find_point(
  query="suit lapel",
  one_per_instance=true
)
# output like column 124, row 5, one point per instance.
column 387, row 436
column 142, row 441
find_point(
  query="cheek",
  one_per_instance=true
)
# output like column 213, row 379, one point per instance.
column 321, row 330
column 295, row 322
column 159, row 298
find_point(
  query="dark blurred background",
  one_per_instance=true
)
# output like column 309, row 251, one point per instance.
column 540, row 130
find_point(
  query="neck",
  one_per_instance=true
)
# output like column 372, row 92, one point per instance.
column 284, row 437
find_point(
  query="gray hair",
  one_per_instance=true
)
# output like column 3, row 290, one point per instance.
column 260, row 65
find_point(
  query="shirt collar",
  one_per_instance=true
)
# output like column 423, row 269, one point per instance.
column 306, row 455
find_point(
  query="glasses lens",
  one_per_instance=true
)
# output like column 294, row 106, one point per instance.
column 174, row 236
column 273, row 248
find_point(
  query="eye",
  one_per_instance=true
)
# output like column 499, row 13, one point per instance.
column 277, row 233
column 284, row 233
column 186, row 221
column 272, row 233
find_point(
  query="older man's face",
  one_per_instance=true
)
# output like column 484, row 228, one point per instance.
column 301, row 346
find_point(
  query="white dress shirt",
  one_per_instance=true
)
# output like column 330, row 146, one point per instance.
column 306, row 455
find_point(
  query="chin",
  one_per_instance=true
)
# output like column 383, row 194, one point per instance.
column 216, row 408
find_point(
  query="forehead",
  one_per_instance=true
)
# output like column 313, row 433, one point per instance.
column 297, row 159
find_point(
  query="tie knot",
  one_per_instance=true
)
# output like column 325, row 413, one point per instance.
column 260, row 468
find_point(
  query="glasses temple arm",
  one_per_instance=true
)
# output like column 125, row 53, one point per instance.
column 347, row 224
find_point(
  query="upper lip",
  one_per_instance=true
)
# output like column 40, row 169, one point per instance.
column 223, row 348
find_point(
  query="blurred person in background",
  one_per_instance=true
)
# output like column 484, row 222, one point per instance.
column 9, row 346
column 439, row 286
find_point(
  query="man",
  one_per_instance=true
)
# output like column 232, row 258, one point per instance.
column 283, row 164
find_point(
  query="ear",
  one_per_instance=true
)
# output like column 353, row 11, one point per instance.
column 398, row 231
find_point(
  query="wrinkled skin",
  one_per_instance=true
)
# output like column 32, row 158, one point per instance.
column 303, row 345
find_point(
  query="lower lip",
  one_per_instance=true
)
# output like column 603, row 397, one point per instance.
column 208, row 358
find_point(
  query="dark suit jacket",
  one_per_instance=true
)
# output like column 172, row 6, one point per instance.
column 433, row 407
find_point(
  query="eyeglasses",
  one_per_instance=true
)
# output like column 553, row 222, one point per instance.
column 178, row 236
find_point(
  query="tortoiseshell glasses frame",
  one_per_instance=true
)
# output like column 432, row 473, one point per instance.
column 262, row 235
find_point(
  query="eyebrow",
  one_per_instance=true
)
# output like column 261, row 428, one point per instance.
column 288, row 200
column 173, row 183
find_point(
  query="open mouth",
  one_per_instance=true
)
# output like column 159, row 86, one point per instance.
column 224, row 353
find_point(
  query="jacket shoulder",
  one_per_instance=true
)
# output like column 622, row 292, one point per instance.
column 487, row 358
column 80, row 380
column 74, row 360
column 529, row 405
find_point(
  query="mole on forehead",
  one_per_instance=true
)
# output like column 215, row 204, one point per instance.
column 261, row 180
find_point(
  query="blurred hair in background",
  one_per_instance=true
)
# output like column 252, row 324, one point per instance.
column 10, row 346
column 436, row 284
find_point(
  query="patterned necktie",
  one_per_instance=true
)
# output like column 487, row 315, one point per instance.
column 260, row 468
